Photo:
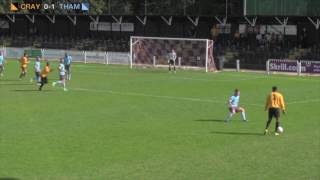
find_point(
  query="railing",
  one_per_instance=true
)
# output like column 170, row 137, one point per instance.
column 102, row 57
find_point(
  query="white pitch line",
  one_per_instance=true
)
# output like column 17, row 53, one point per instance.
column 182, row 98
column 304, row 102
column 182, row 78
column 158, row 96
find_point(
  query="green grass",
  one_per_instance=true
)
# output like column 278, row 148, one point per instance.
column 117, row 123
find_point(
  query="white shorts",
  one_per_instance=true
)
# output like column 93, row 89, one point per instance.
column 233, row 108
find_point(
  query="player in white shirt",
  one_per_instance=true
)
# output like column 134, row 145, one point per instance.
column 37, row 70
column 172, row 60
column 233, row 106
column 62, row 74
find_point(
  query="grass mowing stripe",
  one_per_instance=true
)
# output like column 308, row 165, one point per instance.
column 145, row 124
column 182, row 98
column 157, row 96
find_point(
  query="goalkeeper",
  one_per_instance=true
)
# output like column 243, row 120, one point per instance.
column 172, row 60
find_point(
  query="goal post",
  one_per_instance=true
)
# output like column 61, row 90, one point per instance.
column 154, row 52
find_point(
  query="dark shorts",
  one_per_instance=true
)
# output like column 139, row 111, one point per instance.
column 274, row 112
column 171, row 62
column 37, row 74
column 23, row 69
column 67, row 66
column 44, row 80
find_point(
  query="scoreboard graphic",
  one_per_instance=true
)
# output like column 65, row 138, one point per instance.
column 79, row 7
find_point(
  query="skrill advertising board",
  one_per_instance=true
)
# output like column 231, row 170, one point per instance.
column 312, row 67
column 285, row 65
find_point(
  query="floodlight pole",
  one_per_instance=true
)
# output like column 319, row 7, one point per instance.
column 226, row 8
column 145, row 7
column 109, row 7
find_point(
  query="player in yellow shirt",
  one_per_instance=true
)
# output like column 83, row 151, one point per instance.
column 44, row 75
column 274, row 104
column 24, row 63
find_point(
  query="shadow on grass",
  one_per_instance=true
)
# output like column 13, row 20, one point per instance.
column 9, row 80
column 8, row 178
column 238, row 133
column 210, row 120
column 31, row 90
column 15, row 84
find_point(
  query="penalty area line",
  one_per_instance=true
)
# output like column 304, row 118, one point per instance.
column 156, row 96
column 183, row 98
column 304, row 102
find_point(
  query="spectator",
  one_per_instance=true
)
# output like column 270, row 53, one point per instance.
column 214, row 32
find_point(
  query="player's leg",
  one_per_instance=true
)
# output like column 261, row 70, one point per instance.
column 57, row 82
column 69, row 72
column 42, row 83
column 169, row 65
column 24, row 71
column 1, row 70
column 21, row 73
column 174, row 66
column 277, row 115
column 243, row 113
column 34, row 78
column 38, row 78
column 63, row 82
column 270, row 115
column 231, row 113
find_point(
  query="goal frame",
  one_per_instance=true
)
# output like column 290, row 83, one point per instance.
column 206, row 41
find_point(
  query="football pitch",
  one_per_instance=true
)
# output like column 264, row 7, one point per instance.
column 118, row 123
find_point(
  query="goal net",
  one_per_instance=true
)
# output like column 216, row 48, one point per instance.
column 155, row 52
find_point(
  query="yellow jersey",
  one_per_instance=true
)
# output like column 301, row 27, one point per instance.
column 275, row 100
column 45, row 71
column 24, row 61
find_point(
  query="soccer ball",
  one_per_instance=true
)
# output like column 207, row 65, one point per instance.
column 280, row 129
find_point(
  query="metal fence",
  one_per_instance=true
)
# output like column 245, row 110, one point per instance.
column 77, row 56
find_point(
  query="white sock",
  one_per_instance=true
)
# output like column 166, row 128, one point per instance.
column 243, row 114
column 229, row 117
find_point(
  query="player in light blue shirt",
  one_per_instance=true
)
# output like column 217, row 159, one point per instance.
column 233, row 106
column 2, row 62
column 67, row 64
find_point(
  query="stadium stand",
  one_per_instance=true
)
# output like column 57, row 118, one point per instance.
column 253, row 45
